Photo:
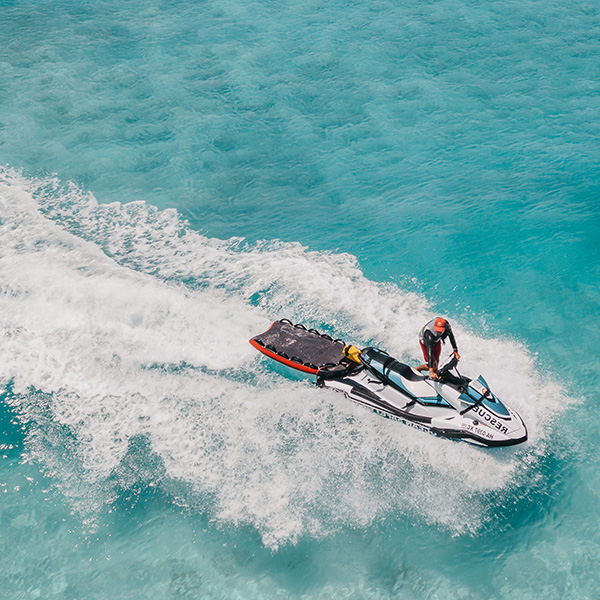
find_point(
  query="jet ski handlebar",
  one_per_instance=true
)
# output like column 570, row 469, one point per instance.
column 448, row 366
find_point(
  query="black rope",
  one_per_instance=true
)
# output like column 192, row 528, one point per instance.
column 475, row 404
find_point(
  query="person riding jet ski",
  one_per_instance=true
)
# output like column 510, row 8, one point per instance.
column 453, row 406
column 431, row 337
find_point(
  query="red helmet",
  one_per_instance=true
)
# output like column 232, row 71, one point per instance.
column 440, row 324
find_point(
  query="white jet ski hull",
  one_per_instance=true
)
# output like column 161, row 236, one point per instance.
column 455, row 408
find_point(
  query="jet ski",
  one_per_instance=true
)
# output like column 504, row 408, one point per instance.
column 454, row 407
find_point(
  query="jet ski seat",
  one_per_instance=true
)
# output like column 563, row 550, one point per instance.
column 408, row 372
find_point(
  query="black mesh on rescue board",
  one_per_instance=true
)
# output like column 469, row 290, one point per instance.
column 298, row 347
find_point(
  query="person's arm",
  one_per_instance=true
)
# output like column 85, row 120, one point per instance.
column 453, row 342
column 429, row 343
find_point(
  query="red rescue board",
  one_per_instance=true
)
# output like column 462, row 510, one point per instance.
column 295, row 346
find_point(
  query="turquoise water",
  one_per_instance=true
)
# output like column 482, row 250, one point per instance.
column 177, row 175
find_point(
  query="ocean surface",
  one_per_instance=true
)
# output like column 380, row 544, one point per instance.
column 174, row 176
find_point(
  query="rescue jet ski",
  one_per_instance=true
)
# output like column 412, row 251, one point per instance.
column 454, row 407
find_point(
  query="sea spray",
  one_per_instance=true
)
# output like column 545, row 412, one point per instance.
column 121, row 323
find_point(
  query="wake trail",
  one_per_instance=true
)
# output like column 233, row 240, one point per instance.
column 120, row 322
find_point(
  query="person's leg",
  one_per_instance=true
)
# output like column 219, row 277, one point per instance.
column 423, row 367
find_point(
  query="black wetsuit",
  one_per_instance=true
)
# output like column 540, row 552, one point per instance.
column 431, row 338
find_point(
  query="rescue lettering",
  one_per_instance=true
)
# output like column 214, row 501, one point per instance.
column 490, row 420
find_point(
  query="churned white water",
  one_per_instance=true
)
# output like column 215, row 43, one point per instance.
column 139, row 326
column 174, row 176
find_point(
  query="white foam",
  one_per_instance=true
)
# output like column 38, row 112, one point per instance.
column 131, row 323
